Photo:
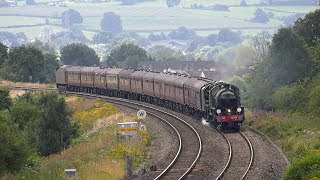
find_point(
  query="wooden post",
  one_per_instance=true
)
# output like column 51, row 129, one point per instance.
column 129, row 167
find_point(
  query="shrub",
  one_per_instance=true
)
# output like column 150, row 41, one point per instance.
column 305, row 168
column 290, row 98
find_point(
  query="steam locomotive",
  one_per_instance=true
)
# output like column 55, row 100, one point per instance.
column 217, row 102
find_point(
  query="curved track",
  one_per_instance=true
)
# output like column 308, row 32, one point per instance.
column 190, row 146
column 241, row 155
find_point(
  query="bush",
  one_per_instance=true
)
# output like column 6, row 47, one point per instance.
column 290, row 98
column 305, row 168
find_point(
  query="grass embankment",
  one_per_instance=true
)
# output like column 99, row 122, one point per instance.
column 23, row 84
column 297, row 135
column 98, row 153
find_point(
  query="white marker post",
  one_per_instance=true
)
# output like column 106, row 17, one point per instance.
column 141, row 114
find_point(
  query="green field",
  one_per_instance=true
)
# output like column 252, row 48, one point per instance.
column 154, row 16
column 33, row 32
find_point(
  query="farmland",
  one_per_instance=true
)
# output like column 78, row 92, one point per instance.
column 150, row 17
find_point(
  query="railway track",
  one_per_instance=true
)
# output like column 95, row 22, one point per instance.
column 240, row 157
column 241, row 152
column 190, row 143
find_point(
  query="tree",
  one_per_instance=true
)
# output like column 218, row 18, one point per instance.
column 227, row 35
column 172, row 3
column 30, row 2
column 212, row 39
column 3, row 53
column 164, row 53
column 127, row 55
column 102, row 37
column 70, row 17
column 243, row 3
column 260, row 16
column 111, row 22
column 25, row 64
column 44, row 47
column 196, row 43
column 289, row 60
column 51, row 64
column 54, row 129
column 308, row 27
column 10, row 39
column 182, row 33
column 50, row 59
column 260, row 45
column 79, row 55
column 14, row 150
column 5, row 100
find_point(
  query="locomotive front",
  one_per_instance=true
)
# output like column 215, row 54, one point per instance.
column 226, row 107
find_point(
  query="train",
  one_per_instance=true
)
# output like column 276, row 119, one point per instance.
column 215, row 101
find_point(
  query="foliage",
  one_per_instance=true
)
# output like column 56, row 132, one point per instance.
column 226, row 35
column 3, row 53
column 23, row 114
column 308, row 27
column 31, row 2
column 212, row 39
column 197, row 43
column 14, row 150
column 259, row 88
column 129, row 38
column 50, row 59
column 70, row 17
column 289, row 59
column 75, row 33
column 305, row 168
column 79, row 54
column 102, row 37
column 182, row 33
column 51, row 64
column 87, row 118
column 163, row 53
column 127, row 55
column 172, row 3
column 5, row 101
column 291, row 98
column 45, row 47
column 10, row 38
column 54, row 128
column 260, row 45
column 111, row 22
column 290, row 20
column 260, row 16
column 287, row 62
column 296, row 134
column 243, row 3
column 157, row 37
column 23, row 64
column 207, row 53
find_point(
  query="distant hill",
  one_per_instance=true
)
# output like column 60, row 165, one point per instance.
column 292, row 2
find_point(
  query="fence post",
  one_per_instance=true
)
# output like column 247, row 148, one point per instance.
column 129, row 167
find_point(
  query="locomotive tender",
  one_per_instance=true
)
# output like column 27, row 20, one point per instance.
column 218, row 102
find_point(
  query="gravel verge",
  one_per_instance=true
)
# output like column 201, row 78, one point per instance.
column 269, row 163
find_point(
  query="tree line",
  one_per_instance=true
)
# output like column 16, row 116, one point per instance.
column 290, row 63
column 32, row 126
